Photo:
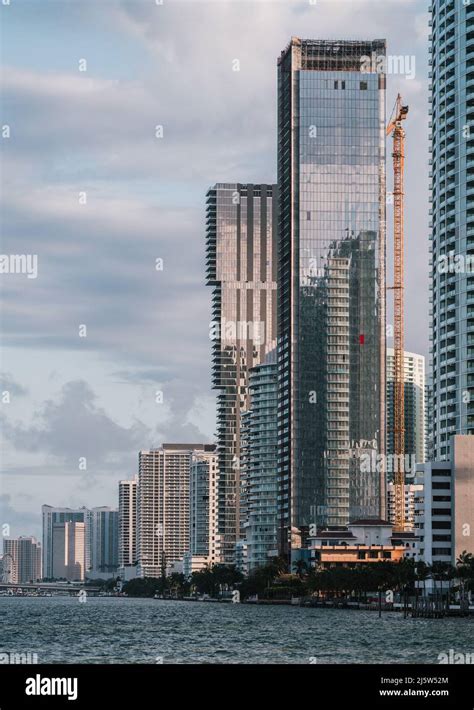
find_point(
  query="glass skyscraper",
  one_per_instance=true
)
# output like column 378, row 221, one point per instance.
column 241, row 242
column 331, row 174
column 452, row 222
column 259, row 464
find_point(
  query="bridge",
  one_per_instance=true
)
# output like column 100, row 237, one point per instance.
column 73, row 588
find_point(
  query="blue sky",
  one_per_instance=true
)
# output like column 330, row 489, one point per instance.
column 94, row 132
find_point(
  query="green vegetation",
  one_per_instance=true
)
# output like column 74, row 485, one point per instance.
column 275, row 581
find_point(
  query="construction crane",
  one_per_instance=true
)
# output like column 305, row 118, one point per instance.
column 395, row 128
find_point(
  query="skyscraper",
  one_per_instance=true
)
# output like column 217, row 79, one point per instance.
column 127, row 524
column 53, row 515
column 259, row 465
column 242, row 270
column 452, row 223
column 24, row 555
column 69, row 551
column 203, row 535
column 331, row 315
column 104, row 538
column 163, row 506
column 415, row 409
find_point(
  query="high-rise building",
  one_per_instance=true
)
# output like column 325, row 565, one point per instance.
column 259, row 465
column 163, row 506
column 452, row 223
column 104, row 537
column 53, row 515
column 415, row 410
column 203, row 534
column 22, row 559
column 127, row 524
column 69, row 551
column 242, row 270
column 411, row 491
column 331, row 315
column 444, row 506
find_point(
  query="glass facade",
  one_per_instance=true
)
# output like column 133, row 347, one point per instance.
column 331, row 162
column 242, row 270
column 259, row 465
column 452, row 223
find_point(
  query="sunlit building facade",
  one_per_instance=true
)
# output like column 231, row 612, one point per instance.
column 331, row 175
column 241, row 246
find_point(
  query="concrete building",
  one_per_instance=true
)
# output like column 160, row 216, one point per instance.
column 415, row 409
column 163, row 506
column 69, row 551
column 444, row 508
column 127, row 529
column 104, row 540
column 331, row 358
column 22, row 558
column 241, row 245
column 51, row 516
column 451, row 223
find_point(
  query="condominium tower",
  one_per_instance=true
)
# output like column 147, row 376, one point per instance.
column 452, row 222
column 415, row 409
column 127, row 523
column 163, row 506
column 331, row 308
column 241, row 244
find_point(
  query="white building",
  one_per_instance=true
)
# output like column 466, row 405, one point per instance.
column 410, row 490
column 444, row 508
column 415, row 406
column 163, row 506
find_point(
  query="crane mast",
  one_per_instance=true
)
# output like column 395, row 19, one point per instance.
column 396, row 129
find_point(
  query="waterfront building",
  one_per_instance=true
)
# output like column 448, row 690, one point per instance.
column 203, row 530
column 444, row 507
column 69, row 551
column 163, row 511
column 415, row 409
column 127, row 552
column 411, row 491
column 331, row 313
column 360, row 543
column 52, row 515
column 452, row 223
column 241, row 247
column 22, row 559
column 104, row 537
column 259, row 465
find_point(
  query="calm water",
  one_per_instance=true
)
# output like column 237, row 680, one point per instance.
column 114, row 630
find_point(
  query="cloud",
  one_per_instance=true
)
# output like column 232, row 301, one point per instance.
column 8, row 384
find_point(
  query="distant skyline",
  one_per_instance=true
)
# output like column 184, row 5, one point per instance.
column 94, row 132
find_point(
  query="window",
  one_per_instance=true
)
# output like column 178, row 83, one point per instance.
column 363, row 86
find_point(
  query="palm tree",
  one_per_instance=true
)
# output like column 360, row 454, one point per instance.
column 301, row 568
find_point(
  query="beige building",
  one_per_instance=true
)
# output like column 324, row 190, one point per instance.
column 22, row 559
column 163, row 512
column 69, row 551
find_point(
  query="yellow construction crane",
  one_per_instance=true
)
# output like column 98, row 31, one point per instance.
column 394, row 127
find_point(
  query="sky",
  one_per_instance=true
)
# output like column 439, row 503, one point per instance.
column 121, row 114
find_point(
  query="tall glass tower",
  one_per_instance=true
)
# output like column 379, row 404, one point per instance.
column 452, row 225
column 241, row 246
column 331, row 174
